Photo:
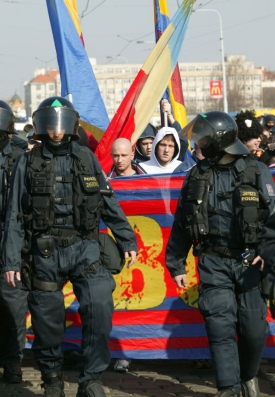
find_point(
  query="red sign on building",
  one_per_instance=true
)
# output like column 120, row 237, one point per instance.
column 215, row 89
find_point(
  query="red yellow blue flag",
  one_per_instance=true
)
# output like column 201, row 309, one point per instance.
column 78, row 82
column 138, row 105
column 173, row 93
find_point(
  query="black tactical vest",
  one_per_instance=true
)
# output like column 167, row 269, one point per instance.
column 86, row 199
column 250, row 206
column 7, row 168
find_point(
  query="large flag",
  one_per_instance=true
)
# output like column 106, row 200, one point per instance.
column 153, row 318
column 78, row 82
column 173, row 93
column 137, row 107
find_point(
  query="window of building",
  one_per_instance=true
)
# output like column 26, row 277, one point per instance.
column 184, row 79
column 207, row 68
column 128, row 80
column 191, row 68
column 118, row 70
column 240, row 77
column 111, row 91
column 51, row 87
column 192, row 89
column 135, row 70
column 215, row 68
column 38, row 87
column 256, row 77
column 199, row 68
column 38, row 96
column 191, row 78
column 110, row 70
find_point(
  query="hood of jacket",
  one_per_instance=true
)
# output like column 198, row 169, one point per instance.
column 149, row 132
column 153, row 166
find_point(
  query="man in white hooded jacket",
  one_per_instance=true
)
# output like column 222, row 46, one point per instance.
column 165, row 152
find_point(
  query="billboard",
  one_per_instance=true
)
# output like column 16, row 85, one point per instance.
column 215, row 89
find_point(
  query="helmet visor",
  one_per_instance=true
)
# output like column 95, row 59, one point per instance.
column 6, row 121
column 200, row 131
column 55, row 121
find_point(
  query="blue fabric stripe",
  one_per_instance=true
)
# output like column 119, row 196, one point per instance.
column 76, row 73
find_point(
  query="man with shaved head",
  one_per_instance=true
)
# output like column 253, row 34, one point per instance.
column 124, row 165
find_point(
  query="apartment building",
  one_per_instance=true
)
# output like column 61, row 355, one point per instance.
column 244, row 84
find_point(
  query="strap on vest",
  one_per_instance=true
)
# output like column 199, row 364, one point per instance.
column 64, row 200
column 64, row 179
column 91, row 269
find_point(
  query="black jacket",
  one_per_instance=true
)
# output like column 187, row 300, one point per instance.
column 20, row 191
column 221, row 180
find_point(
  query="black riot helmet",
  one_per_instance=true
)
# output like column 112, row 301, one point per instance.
column 55, row 115
column 6, row 118
column 215, row 133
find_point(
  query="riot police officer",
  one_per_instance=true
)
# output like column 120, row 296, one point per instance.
column 59, row 194
column 224, row 202
column 13, row 306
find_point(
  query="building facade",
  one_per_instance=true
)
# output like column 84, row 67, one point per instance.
column 243, row 81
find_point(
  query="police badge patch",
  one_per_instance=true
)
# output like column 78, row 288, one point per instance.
column 270, row 190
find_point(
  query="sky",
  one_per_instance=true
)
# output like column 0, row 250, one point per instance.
column 111, row 28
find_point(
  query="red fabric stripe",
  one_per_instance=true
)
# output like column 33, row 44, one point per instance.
column 270, row 341
column 159, row 343
column 158, row 317
column 148, row 207
column 177, row 86
column 161, row 182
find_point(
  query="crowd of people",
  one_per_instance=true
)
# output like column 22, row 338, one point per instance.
column 54, row 195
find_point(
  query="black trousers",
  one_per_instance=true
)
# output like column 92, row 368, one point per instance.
column 94, row 294
column 235, row 311
column 13, row 309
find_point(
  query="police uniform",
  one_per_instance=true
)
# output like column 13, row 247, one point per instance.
column 57, row 193
column 13, row 302
column 220, row 212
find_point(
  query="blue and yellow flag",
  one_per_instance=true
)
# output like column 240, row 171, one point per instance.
column 173, row 92
column 78, row 82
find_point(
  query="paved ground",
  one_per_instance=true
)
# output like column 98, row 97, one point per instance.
column 150, row 378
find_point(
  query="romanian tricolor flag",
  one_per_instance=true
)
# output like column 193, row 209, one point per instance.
column 173, row 92
column 137, row 107
column 153, row 319
column 78, row 82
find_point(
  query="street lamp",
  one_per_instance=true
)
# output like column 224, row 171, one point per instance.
column 45, row 62
column 117, row 57
column 225, row 104
column 146, row 41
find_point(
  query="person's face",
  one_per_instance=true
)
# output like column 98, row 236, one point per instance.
column 122, row 157
column 165, row 150
column 145, row 146
column 55, row 132
column 270, row 124
column 253, row 144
